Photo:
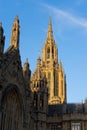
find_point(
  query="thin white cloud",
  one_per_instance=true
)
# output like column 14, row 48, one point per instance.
column 67, row 16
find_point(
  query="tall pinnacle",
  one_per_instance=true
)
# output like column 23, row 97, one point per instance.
column 15, row 33
column 50, row 32
column 2, row 39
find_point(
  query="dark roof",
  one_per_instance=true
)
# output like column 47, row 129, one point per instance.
column 65, row 108
column 55, row 109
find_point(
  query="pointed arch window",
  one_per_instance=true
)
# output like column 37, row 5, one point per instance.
column 11, row 111
column 48, row 52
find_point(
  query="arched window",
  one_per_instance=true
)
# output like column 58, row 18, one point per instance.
column 11, row 111
column 48, row 52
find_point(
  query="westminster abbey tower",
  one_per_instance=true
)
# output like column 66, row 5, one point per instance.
column 53, row 70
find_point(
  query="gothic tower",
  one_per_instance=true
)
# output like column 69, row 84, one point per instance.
column 53, row 70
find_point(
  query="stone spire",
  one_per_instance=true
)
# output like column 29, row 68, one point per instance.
column 50, row 50
column 15, row 33
column 50, row 32
column 38, row 68
column 2, row 38
column 27, row 74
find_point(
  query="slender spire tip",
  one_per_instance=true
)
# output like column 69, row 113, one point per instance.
column 50, row 32
column 50, row 20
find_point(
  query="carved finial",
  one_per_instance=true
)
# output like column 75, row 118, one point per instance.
column 26, row 65
column 27, row 60
column 16, row 19
column 16, row 16
column 26, row 72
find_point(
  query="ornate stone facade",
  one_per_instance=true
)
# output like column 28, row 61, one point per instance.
column 36, row 102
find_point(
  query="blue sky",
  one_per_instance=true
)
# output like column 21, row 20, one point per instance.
column 69, row 20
